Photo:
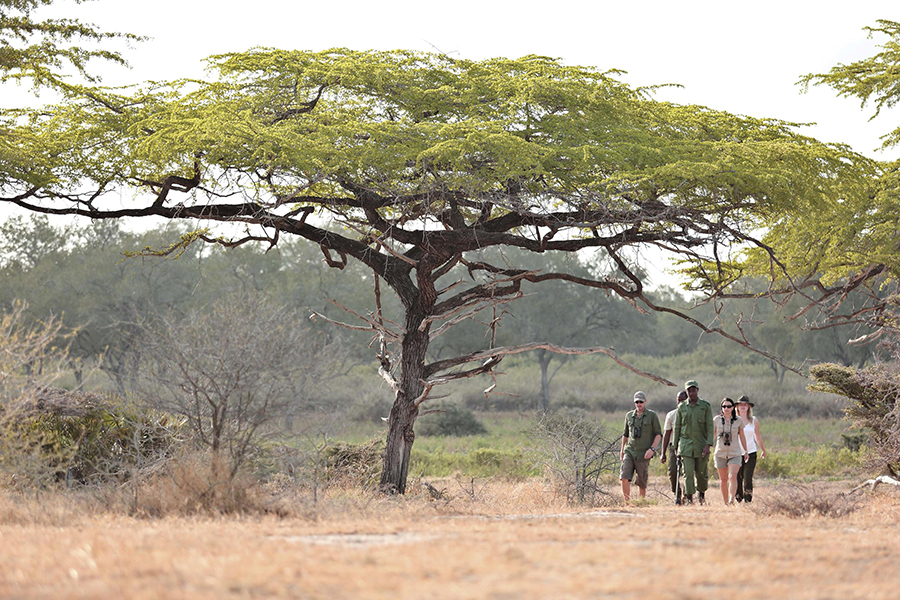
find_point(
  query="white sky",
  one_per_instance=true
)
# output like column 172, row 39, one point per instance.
column 740, row 57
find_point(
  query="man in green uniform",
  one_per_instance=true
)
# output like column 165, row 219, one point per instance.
column 639, row 443
column 693, row 436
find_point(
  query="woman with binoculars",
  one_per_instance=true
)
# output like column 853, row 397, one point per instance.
column 728, row 428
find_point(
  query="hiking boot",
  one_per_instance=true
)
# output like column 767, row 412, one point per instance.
column 702, row 498
column 688, row 499
column 748, row 498
column 738, row 498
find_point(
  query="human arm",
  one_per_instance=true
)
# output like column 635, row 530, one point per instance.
column 710, row 433
column 652, row 449
column 665, row 445
column 622, row 452
column 676, row 431
column 743, row 443
column 758, row 435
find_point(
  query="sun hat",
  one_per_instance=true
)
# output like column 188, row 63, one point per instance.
column 745, row 400
column 691, row 383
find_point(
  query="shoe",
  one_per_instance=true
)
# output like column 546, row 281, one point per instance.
column 688, row 499
column 738, row 498
column 702, row 498
column 748, row 498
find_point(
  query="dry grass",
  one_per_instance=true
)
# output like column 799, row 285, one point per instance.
column 482, row 540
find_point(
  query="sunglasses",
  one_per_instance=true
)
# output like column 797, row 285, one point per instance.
column 638, row 401
column 728, row 406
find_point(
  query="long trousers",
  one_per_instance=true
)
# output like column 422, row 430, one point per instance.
column 672, row 466
column 695, row 466
column 745, row 479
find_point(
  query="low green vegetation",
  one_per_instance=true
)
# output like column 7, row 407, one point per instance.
column 797, row 448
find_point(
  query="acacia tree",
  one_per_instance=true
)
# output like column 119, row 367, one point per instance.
column 846, row 265
column 422, row 161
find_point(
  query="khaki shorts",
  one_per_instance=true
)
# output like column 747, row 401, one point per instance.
column 640, row 470
column 722, row 463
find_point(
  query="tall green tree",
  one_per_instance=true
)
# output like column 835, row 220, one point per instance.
column 421, row 162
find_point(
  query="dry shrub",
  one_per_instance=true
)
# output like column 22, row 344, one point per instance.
column 802, row 501
column 355, row 465
column 197, row 483
column 53, row 507
column 576, row 452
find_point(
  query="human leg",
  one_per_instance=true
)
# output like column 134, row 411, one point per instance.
column 723, row 483
column 740, row 485
column 642, row 476
column 688, row 464
column 748, row 468
column 672, row 466
column 732, row 481
column 626, row 475
column 702, row 470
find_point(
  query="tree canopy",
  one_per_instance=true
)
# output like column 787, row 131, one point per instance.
column 414, row 163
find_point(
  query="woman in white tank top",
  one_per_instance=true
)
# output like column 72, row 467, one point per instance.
column 755, row 446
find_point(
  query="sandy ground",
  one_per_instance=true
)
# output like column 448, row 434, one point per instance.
column 419, row 549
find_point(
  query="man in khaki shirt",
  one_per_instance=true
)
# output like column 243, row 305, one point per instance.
column 640, row 441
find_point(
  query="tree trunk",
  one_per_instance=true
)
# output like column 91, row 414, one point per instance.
column 544, row 358
column 400, row 436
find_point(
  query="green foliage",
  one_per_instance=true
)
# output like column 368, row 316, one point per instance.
column 509, row 463
column 774, row 465
column 872, row 406
column 38, row 50
column 873, row 80
column 450, row 420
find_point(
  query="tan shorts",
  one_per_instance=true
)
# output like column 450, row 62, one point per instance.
column 722, row 463
column 640, row 470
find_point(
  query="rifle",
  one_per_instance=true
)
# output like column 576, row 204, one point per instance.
column 679, row 472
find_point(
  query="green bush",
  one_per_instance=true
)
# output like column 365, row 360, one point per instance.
column 774, row 465
column 450, row 420
column 478, row 462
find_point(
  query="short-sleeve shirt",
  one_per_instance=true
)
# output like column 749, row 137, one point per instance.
column 640, row 432
column 670, row 420
column 728, row 431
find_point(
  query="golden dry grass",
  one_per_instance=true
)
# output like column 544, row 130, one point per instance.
column 512, row 541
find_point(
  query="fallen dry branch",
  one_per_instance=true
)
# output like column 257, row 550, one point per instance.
column 873, row 483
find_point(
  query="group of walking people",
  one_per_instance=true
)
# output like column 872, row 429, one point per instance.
column 690, row 434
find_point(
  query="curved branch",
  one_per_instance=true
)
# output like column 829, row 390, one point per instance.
column 493, row 356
